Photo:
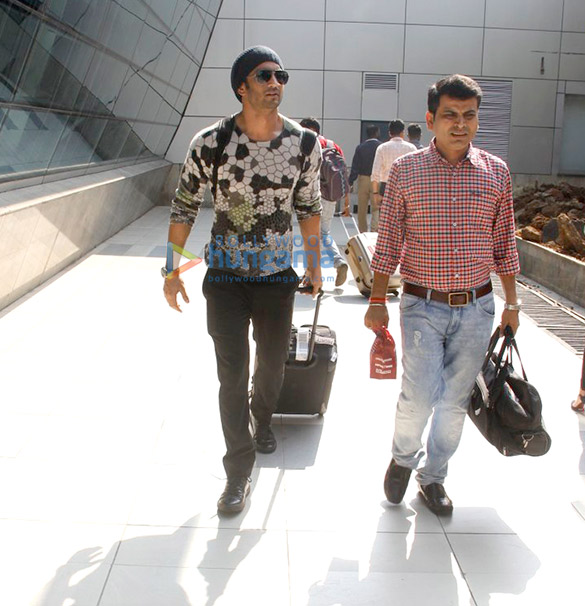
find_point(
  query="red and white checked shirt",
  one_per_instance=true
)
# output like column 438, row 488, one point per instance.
column 448, row 226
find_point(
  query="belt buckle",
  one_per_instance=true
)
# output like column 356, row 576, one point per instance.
column 458, row 294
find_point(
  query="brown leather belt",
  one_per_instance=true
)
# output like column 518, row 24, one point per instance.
column 457, row 298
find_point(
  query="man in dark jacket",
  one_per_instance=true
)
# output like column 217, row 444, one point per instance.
column 361, row 169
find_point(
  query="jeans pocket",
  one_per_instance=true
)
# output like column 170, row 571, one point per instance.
column 486, row 305
column 408, row 302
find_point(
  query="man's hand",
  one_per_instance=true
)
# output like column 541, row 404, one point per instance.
column 313, row 278
column 172, row 287
column 377, row 201
column 376, row 317
column 509, row 318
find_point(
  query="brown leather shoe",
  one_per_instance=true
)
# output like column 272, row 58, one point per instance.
column 436, row 499
column 396, row 482
column 341, row 274
column 233, row 498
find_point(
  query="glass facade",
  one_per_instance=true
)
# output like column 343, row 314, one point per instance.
column 89, row 82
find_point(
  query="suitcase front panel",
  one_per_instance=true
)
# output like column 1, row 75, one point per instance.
column 307, row 386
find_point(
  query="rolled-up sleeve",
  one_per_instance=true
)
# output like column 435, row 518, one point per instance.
column 195, row 175
column 505, row 252
column 390, row 227
column 307, row 195
column 378, row 165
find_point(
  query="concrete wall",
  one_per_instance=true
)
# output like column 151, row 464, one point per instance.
column 327, row 45
column 45, row 228
column 562, row 274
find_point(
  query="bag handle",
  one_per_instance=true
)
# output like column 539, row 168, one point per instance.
column 313, row 334
column 508, row 345
column 512, row 345
column 505, row 355
column 491, row 347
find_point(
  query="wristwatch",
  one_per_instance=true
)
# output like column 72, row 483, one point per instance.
column 165, row 272
column 513, row 306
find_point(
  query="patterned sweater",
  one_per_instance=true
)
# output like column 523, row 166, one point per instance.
column 258, row 186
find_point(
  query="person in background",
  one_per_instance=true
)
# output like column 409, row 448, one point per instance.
column 414, row 133
column 264, row 174
column 385, row 156
column 361, row 169
column 330, row 248
column 448, row 219
column 578, row 404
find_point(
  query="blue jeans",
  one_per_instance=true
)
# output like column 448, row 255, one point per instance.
column 329, row 250
column 443, row 350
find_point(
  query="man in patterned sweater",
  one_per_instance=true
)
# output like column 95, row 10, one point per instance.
column 265, row 172
column 447, row 217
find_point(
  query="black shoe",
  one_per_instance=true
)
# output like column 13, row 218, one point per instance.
column 396, row 481
column 436, row 499
column 233, row 498
column 264, row 439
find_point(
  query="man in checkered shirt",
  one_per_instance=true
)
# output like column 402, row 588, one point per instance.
column 447, row 218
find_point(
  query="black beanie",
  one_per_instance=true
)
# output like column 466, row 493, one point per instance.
column 247, row 60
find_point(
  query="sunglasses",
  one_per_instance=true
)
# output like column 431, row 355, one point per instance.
column 265, row 75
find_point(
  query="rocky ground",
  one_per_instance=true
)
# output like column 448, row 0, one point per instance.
column 552, row 215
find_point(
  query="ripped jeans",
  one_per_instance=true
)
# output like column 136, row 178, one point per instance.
column 443, row 350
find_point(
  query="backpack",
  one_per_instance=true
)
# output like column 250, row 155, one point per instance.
column 224, row 134
column 334, row 181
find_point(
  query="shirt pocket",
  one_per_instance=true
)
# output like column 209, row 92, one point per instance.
column 481, row 219
column 482, row 212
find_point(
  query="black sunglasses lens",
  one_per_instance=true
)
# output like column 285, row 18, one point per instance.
column 264, row 75
column 281, row 76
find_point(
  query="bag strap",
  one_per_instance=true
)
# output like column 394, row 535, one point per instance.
column 308, row 140
column 224, row 134
column 505, row 356
column 512, row 345
column 491, row 347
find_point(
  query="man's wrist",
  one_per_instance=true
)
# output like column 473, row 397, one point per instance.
column 513, row 306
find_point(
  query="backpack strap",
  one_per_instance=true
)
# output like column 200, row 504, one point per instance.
column 308, row 140
column 224, row 134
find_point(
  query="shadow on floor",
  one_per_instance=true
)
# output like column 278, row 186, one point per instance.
column 150, row 569
column 422, row 568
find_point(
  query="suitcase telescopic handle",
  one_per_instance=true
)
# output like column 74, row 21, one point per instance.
column 314, row 329
column 313, row 335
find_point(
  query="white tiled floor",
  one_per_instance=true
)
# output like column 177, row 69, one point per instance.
column 110, row 465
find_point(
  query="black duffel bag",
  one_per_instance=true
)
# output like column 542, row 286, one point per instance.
column 504, row 406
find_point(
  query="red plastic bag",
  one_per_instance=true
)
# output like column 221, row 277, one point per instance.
column 383, row 356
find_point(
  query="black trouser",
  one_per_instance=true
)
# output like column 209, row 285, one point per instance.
column 231, row 303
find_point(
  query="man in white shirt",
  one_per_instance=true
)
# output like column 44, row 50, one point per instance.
column 385, row 155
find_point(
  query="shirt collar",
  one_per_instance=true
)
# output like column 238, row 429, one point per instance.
column 472, row 154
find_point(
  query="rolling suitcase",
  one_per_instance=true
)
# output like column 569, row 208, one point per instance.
column 359, row 251
column 309, row 371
